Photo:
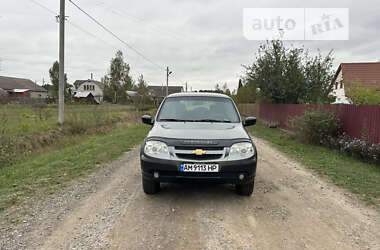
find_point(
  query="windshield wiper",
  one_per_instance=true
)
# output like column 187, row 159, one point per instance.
column 173, row 120
column 212, row 120
column 201, row 120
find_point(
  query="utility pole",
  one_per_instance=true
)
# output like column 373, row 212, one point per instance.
column 61, row 89
column 167, row 80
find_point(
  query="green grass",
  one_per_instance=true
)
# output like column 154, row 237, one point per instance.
column 47, row 172
column 20, row 119
column 26, row 129
column 358, row 177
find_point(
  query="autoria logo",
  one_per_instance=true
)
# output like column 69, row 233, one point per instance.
column 296, row 24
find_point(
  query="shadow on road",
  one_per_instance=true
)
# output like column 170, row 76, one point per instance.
column 198, row 191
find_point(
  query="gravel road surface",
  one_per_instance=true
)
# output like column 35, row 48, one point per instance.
column 291, row 208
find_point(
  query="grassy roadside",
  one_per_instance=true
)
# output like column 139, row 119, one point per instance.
column 23, row 132
column 22, row 119
column 360, row 178
column 52, row 170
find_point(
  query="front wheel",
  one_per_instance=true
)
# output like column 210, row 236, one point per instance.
column 150, row 187
column 245, row 189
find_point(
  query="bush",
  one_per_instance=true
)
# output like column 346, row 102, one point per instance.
column 322, row 127
column 7, row 155
column 79, row 122
column 358, row 148
column 316, row 126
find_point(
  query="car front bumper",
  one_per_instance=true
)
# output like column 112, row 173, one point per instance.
column 168, row 170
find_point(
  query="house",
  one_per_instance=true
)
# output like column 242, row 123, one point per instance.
column 364, row 75
column 90, row 86
column 158, row 93
column 21, row 88
column 85, row 97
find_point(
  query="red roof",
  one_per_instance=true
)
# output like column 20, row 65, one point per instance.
column 367, row 74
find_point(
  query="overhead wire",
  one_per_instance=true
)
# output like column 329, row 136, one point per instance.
column 71, row 23
column 116, row 36
column 154, row 28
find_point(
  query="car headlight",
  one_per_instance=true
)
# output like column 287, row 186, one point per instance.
column 241, row 150
column 156, row 149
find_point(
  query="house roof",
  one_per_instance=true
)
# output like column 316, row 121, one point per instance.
column 365, row 74
column 132, row 93
column 19, row 90
column 9, row 83
column 83, row 94
column 77, row 83
column 160, row 91
column 86, row 94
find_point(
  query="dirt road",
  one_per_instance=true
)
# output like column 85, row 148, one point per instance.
column 290, row 209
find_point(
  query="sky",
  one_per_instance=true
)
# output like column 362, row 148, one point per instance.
column 201, row 41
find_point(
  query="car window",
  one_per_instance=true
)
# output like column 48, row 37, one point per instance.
column 198, row 108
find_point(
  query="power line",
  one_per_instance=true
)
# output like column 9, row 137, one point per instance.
column 71, row 23
column 156, row 28
column 115, row 36
column 44, row 7
column 153, row 27
column 89, row 33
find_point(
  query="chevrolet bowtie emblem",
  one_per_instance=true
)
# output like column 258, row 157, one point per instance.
column 199, row 152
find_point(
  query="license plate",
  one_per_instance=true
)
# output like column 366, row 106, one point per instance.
column 199, row 167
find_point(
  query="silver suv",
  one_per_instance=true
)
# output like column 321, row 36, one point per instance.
column 198, row 137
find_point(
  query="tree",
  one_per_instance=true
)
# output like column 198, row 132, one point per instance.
column 217, row 89
column 364, row 96
column 48, row 87
column 318, row 76
column 142, row 97
column 220, row 90
column 142, row 86
column 245, row 93
column 289, row 75
column 54, row 78
column 118, row 80
column 226, row 90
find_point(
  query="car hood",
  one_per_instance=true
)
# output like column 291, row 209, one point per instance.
column 198, row 130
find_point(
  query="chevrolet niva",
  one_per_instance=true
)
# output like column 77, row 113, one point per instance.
column 198, row 136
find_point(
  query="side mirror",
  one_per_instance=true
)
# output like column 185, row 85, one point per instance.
column 147, row 119
column 249, row 121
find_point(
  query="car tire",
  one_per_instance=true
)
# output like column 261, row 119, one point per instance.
column 150, row 187
column 245, row 189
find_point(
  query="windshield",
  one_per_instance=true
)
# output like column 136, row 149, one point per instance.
column 198, row 109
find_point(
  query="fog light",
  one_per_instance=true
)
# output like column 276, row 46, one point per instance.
column 156, row 175
column 241, row 176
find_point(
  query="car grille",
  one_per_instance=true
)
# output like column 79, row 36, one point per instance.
column 194, row 148
column 186, row 153
column 199, row 157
